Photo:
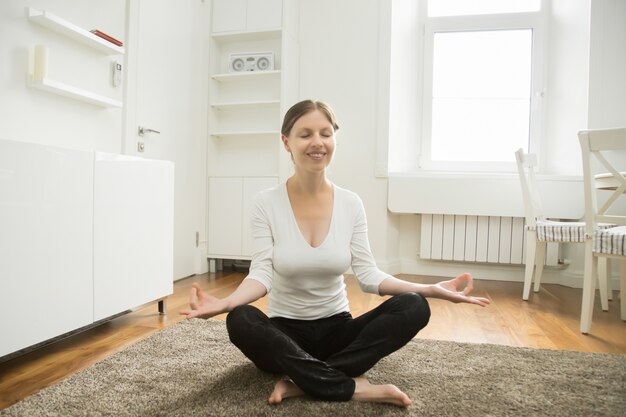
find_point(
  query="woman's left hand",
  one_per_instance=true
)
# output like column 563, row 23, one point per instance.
column 450, row 290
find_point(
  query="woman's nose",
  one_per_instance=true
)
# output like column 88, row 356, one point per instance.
column 317, row 138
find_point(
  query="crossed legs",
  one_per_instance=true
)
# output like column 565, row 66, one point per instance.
column 327, row 358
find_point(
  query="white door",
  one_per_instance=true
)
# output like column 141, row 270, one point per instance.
column 167, row 92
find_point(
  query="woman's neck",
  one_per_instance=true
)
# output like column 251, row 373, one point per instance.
column 308, row 184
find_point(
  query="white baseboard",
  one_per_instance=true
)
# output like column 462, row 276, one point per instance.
column 513, row 273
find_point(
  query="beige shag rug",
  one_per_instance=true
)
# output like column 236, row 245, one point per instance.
column 191, row 369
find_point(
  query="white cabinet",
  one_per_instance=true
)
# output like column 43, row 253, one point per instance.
column 133, row 232
column 228, row 15
column 230, row 207
column 264, row 14
column 245, row 15
column 83, row 236
column 245, row 153
column 46, row 235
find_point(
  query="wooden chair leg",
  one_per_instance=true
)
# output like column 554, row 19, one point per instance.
column 589, row 288
column 622, row 289
column 609, row 275
column 602, row 282
column 540, row 259
column 531, row 245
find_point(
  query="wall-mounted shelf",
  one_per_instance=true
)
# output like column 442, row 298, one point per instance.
column 235, row 76
column 245, row 36
column 243, row 104
column 73, row 32
column 62, row 89
column 251, row 133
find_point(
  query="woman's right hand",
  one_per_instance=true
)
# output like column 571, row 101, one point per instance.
column 203, row 305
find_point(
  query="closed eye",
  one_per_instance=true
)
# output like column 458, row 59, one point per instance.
column 305, row 134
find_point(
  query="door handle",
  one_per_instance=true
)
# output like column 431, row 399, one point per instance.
column 141, row 131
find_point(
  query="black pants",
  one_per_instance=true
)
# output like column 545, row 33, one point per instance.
column 322, row 356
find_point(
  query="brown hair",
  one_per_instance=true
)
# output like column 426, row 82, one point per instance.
column 300, row 109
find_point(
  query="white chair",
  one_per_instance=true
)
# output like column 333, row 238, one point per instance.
column 606, row 148
column 539, row 230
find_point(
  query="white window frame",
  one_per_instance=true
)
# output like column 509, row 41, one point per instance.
column 511, row 21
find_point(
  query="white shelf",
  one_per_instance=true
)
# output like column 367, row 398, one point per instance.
column 244, row 104
column 250, row 133
column 62, row 89
column 245, row 36
column 73, row 32
column 248, row 75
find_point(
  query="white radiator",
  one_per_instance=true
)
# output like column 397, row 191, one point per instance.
column 488, row 239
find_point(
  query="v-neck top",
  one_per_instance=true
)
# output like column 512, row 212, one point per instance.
column 306, row 282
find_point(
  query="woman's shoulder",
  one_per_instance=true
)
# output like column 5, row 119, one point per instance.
column 270, row 197
column 347, row 196
column 272, row 192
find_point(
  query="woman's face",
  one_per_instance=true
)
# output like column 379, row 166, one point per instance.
column 311, row 142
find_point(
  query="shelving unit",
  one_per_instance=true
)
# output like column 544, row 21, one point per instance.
column 73, row 32
column 79, row 35
column 245, row 153
column 246, row 103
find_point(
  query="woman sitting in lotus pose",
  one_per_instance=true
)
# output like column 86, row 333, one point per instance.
column 307, row 232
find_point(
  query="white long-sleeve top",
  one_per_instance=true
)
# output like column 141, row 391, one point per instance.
column 304, row 282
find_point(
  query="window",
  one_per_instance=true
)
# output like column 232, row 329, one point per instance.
column 482, row 83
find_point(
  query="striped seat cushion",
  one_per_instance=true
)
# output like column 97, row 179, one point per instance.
column 610, row 241
column 552, row 231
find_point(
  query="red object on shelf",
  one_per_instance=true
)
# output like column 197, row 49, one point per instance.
column 107, row 37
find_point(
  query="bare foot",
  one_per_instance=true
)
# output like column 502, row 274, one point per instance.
column 390, row 394
column 285, row 388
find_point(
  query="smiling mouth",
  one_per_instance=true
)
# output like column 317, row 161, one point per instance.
column 316, row 155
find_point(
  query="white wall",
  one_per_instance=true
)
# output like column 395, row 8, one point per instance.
column 567, row 93
column 607, row 79
column 339, row 64
column 405, row 124
column 34, row 116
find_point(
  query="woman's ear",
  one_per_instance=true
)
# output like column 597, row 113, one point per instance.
column 285, row 143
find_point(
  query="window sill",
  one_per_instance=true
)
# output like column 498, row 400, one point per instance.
column 479, row 175
column 481, row 194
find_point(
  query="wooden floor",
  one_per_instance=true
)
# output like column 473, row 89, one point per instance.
column 550, row 319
